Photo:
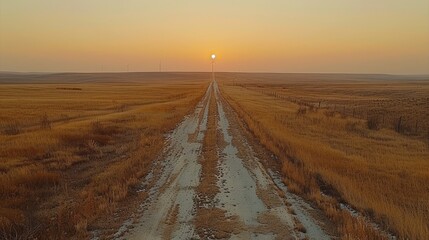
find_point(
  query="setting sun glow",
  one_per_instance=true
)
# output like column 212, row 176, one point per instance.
column 385, row 36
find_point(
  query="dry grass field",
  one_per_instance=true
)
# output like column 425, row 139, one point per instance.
column 401, row 106
column 359, row 139
column 73, row 145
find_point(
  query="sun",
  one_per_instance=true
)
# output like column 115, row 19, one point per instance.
column 213, row 56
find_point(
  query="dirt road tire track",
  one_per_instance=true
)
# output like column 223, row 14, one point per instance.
column 212, row 185
column 211, row 222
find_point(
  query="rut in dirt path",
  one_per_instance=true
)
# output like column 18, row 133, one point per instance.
column 169, row 209
column 211, row 185
column 249, row 193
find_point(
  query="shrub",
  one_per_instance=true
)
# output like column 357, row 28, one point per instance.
column 373, row 123
column 100, row 129
column 351, row 126
column 301, row 111
column 45, row 123
column 12, row 129
column 72, row 139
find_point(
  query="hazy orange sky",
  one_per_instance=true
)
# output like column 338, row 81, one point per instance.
column 381, row 36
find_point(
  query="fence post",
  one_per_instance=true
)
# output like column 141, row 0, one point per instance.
column 398, row 127
column 417, row 122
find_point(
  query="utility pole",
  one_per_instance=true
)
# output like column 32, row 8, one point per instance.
column 213, row 61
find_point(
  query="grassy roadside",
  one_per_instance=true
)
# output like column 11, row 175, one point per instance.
column 81, row 152
column 308, row 146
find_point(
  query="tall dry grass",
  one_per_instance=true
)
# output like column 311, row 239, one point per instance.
column 381, row 173
column 68, row 158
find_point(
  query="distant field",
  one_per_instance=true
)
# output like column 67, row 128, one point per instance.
column 394, row 102
column 363, row 139
column 72, row 145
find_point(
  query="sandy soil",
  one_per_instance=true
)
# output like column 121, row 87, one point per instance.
column 252, row 198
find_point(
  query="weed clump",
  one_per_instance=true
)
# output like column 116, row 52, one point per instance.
column 12, row 129
column 45, row 123
column 373, row 123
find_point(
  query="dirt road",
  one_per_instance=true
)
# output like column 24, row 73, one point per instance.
column 211, row 184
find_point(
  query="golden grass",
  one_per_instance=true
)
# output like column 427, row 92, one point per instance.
column 381, row 173
column 72, row 156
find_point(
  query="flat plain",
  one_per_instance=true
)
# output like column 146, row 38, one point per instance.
column 244, row 155
column 360, row 138
column 74, row 145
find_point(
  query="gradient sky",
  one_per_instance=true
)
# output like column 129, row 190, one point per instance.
column 358, row 36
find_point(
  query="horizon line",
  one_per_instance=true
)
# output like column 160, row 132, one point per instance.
column 245, row 72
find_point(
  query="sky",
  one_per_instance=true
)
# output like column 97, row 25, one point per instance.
column 354, row 36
